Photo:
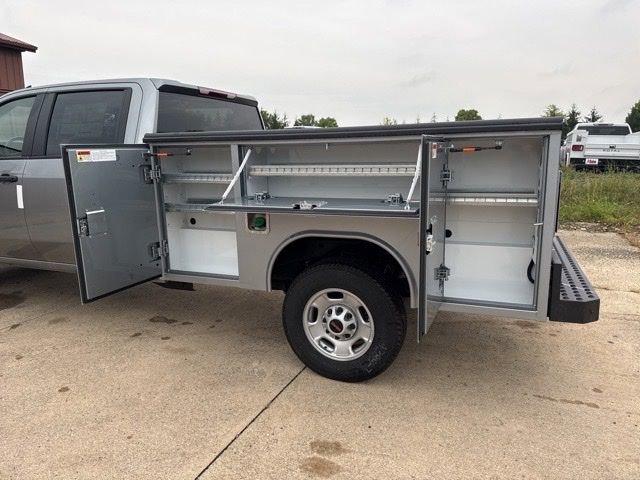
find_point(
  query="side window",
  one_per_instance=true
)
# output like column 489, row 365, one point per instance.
column 14, row 116
column 88, row 117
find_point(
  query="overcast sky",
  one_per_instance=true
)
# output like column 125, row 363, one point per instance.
column 355, row 60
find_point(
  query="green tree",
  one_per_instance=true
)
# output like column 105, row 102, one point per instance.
column 471, row 114
column 633, row 119
column 327, row 122
column 308, row 120
column 553, row 110
column 571, row 119
column 389, row 121
column 273, row 121
column 594, row 116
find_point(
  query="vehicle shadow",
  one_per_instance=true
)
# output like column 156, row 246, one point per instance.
column 470, row 349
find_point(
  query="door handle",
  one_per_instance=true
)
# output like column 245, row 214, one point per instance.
column 6, row 178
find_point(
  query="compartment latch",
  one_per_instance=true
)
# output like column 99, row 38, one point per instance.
column 83, row 227
column 394, row 199
column 261, row 196
column 442, row 273
column 92, row 224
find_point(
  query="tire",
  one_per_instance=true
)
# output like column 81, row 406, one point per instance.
column 377, row 312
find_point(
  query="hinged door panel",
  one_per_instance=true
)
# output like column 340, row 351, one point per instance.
column 433, row 271
column 113, row 215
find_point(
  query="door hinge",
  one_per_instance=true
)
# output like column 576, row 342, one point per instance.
column 428, row 244
column 83, row 227
column 152, row 173
column 446, row 176
column 158, row 250
column 441, row 273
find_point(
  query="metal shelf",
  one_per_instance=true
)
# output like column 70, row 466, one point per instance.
column 490, row 199
column 199, row 205
column 473, row 199
column 353, row 170
column 327, row 206
column 223, row 178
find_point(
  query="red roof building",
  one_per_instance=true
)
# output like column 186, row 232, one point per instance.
column 11, row 74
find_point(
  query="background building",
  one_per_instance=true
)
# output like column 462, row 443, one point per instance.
column 11, row 74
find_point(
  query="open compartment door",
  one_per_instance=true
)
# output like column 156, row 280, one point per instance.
column 433, row 273
column 113, row 215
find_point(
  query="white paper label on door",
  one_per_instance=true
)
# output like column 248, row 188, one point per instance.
column 102, row 155
column 19, row 196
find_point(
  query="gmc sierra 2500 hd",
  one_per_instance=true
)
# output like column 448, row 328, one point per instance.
column 132, row 180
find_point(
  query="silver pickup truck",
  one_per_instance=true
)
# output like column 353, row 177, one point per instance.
column 35, row 228
column 129, row 181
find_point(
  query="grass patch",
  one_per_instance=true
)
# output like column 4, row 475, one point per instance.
column 611, row 198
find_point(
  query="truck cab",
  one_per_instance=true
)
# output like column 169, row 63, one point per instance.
column 34, row 122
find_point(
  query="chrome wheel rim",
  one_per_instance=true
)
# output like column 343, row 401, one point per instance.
column 338, row 324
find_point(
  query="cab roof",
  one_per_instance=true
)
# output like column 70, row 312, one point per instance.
column 158, row 83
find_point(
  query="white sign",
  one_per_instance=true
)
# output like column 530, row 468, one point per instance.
column 102, row 155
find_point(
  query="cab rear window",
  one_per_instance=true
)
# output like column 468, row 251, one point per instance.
column 605, row 130
column 178, row 112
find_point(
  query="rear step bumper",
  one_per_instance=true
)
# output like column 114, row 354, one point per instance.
column 572, row 299
column 630, row 164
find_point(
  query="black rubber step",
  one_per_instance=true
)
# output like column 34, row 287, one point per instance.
column 572, row 299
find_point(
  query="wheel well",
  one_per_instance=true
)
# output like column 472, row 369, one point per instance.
column 364, row 254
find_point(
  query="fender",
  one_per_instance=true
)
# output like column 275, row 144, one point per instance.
column 360, row 236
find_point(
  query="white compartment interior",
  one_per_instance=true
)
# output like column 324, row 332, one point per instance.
column 491, row 213
column 199, row 242
column 206, row 246
column 489, row 273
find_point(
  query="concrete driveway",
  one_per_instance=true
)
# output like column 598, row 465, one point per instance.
column 155, row 383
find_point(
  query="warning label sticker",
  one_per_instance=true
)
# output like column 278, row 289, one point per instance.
column 101, row 155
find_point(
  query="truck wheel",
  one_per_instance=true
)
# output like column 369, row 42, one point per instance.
column 343, row 323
